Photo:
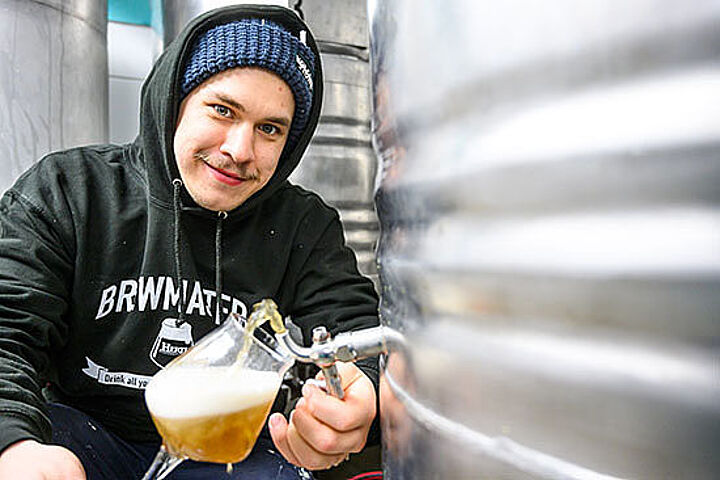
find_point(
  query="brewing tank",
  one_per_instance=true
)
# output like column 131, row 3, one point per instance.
column 339, row 163
column 53, row 79
column 550, row 237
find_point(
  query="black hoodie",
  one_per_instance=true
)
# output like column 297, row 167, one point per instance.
column 88, row 269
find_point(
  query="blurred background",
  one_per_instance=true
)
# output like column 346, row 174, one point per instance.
column 534, row 188
column 71, row 73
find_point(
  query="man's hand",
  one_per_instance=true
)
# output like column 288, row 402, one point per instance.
column 324, row 430
column 31, row 460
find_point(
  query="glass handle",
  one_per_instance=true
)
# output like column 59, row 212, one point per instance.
column 163, row 463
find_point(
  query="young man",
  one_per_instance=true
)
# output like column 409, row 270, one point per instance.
column 114, row 259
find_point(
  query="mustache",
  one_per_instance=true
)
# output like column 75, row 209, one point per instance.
column 220, row 162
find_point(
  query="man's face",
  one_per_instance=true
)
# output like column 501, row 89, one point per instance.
column 231, row 131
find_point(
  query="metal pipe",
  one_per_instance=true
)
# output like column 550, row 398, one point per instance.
column 344, row 347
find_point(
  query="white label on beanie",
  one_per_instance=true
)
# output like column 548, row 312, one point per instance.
column 304, row 70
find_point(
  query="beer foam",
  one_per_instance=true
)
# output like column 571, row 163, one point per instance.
column 195, row 392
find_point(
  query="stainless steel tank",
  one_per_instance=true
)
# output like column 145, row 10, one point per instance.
column 339, row 163
column 53, row 79
column 550, row 246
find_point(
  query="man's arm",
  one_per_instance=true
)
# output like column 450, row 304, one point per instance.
column 329, row 291
column 34, row 274
column 327, row 288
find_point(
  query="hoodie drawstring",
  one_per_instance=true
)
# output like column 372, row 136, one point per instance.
column 218, row 264
column 177, row 183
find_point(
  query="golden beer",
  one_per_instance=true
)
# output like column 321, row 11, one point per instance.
column 211, row 414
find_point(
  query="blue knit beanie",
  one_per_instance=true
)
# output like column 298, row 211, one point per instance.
column 258, row 43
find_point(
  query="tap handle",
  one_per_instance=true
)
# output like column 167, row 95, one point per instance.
column 333, row 384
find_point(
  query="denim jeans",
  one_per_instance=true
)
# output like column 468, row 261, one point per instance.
column 105, row 456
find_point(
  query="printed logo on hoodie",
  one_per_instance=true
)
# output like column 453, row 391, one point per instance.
column 160, row 293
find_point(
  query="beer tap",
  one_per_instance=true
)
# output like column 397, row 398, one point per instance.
column 345, row 347
column 325, row 350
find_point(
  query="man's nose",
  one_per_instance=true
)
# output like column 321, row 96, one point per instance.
column 239, row 143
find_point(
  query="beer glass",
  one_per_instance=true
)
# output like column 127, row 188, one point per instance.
column 211, row 403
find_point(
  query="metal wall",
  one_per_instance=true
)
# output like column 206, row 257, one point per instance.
column 339, row 163
column 53, row 79
column 550, row 246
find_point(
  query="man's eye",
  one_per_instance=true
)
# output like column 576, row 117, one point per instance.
column 269, row 129
column 222, row 110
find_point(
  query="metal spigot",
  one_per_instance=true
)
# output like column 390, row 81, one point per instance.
column 345, row 347
column 333, row 383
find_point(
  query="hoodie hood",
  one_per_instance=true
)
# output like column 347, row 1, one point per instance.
column 160, row 104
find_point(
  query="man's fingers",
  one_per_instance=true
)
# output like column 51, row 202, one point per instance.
column 329, row 410
column 308, row 456
column 322, row 437
column 284, row 435
column 322, row 429
column 356, row 410
column 278, row 431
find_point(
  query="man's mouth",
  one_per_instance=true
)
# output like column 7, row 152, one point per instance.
column 226, row 176
column 227, row 173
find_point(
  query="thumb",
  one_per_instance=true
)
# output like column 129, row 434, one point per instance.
column 278, row 431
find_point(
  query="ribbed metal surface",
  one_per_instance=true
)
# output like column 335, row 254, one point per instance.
column 53, row 79
column 550, row 209
column 339, row 163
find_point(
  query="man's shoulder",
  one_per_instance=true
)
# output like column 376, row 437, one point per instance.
column 92, row 166
column 87, row 156
column 297, row 196
column 84, row 160
column 293, row 204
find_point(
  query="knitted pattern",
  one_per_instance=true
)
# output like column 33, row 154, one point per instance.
column 258, row 43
